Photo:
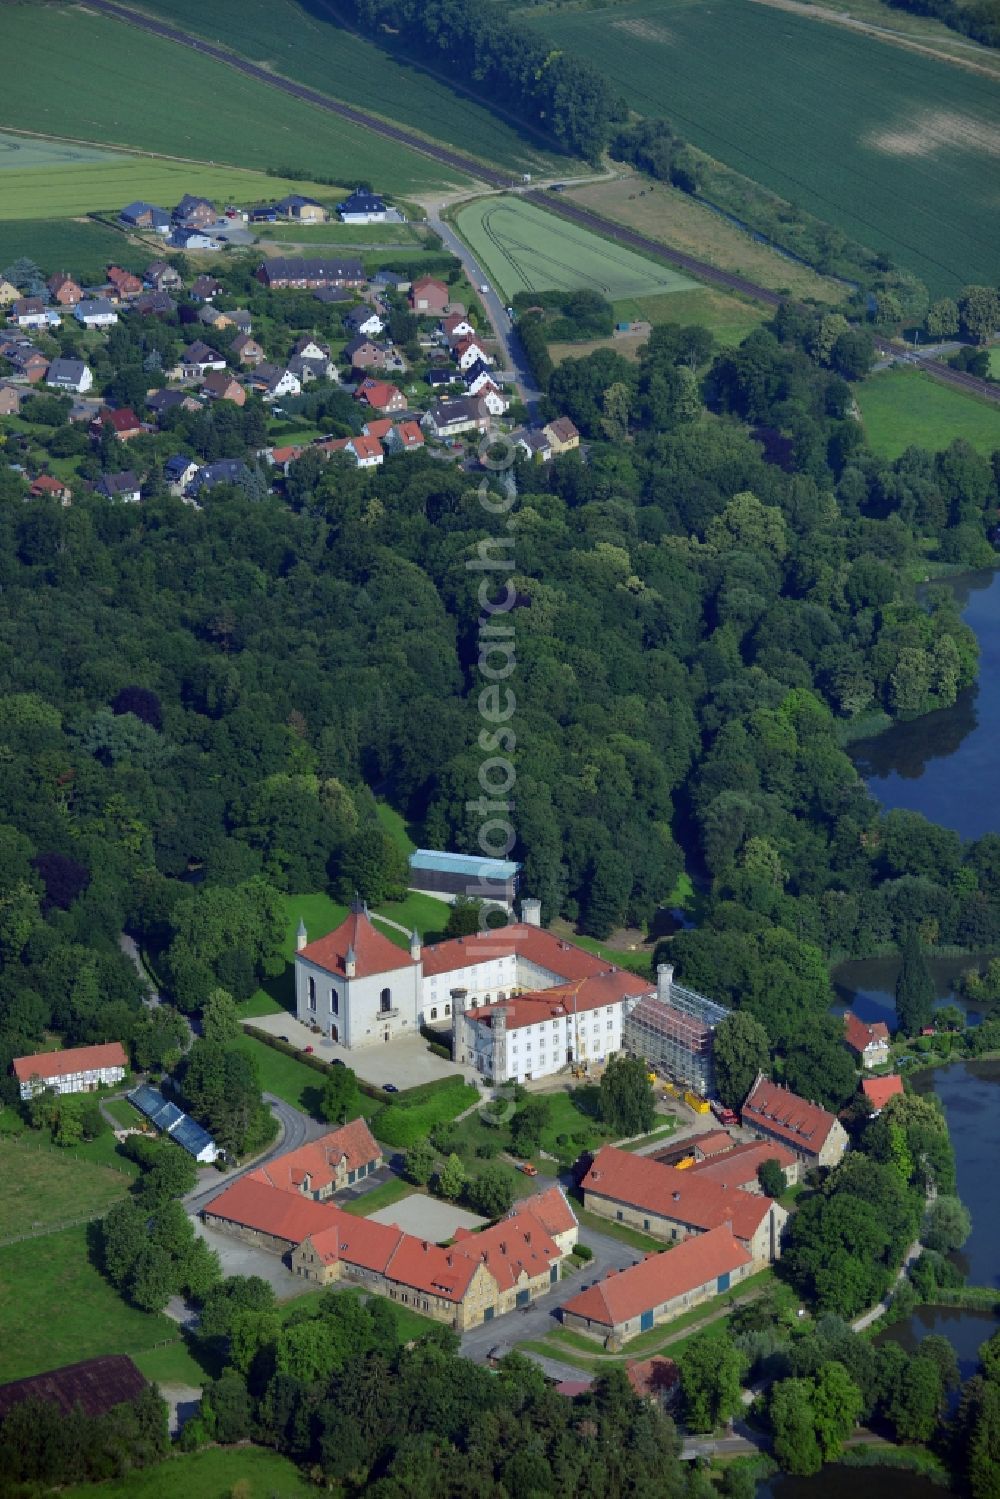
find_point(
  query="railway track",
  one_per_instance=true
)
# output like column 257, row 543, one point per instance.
column 961, row 379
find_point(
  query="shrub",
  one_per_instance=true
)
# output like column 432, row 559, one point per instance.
column 487, row 1150
column 584, row 1252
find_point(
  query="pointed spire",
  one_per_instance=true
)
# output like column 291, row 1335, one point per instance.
column 301, row 936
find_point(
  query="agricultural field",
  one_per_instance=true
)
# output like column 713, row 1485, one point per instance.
column 45, row 1186
column 903, row 27
column 69, row 244
column 995, row 363
column 56, row 1307
column 304, row 42
column 667, row 214
column 894, row 147
column 208, row 112
column 906, row 408
column 523, row 248
column 41, row 179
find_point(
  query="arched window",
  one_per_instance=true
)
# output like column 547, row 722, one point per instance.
column 334, row 1001
column 434, row 1014
column 312, row 993
column 385, row 1001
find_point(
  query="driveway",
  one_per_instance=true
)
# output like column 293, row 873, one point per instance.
column 239, row 1258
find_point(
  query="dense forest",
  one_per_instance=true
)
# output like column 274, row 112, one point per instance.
column 978, row 19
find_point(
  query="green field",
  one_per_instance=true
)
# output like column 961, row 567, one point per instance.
column 895, row 148
column 99, row 81
column 214, row 1474
column 56, row 1308
column 340, row 234
column 906, row 408
column 995, row 363
column 45, row 1186
column 66, row 244
column 523, row 248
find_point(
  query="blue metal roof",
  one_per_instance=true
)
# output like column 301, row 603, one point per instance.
column 193, row 1138
column 470, row 864
column 169, row 1118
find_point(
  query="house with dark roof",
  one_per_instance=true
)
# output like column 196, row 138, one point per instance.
column 124, row 487
column 178, row 473
column 172, row 1121
column 69, row 374
column 95, row 312
column 364, row 320
column 453, row 418
column 305, row 210
column 309, row 272
column 195, row 211
column 247, row 350
column 362, row 207
column 223, row 471
column 161, row 275
column 140, row 215
column 155, row 304
column 661, row 1287
column 222, row 385
column 204, row 288
column 776, row 1113
column 869, row 1041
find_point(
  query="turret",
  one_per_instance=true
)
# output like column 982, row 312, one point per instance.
column 350, row 962
column 415, row 948
column 664, row 980
column 531, row 911
column 459, row 999
column 301, row 936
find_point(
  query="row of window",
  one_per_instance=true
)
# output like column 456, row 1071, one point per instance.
column 385, row 998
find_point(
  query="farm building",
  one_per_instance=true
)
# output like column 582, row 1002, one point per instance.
column 81, row 1069
column 327, row 1165
column 172, row 1121
column 776, row 1113
column 95, row 1385
column 437, row 872
column 660, row 1287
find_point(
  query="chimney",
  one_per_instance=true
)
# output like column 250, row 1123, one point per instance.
column 301, row 936
column 664, row 979
column 350, row 962
column 531, row 911
column 415, row 945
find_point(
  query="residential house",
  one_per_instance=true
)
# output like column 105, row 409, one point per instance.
column 878, row 1090
column 69, row 374
column 64, row 290
column 124, row 423
column 380, row 395
column 307, row 370
column 247, row 350
column 379, row 427
column 155, row 304
column 241, row 319
column 204, row 288
column 8, row 292
column 331, row 1164
column 364, row 320
column 437, row 379
column 362, row 208
column 194, row 239
column 47, row 488
column 429, row 297
column 868, row 1042
column 124, row 487
column 282, row 458
column 141, row 215
column 178, row 473
column 172, row 1121
column 775, row 1113
column 404, row 437
column 126, row 286
column 95, row 312
column 31, row 312
column 562, row 434
column 476, row 376
column 493, row 398
column 366, row 451
column 302, row 272
column 223, row 471
column 467, row 351
column 533, row 443
column 455, row 326
column 10, row 399
column 197, row 359
column 161, row 275
column 272, row 381
column 194, row 211
column 214, row 317
column 453, row 418
column 27, row 363
column 390, row 281
column 306, row 210
column 222, row 385
column 330, row 294
column 263, row 213
column 660, row 1287
column 162, row 401
column 363, row 354
column 80, row 1069
column 311, row 348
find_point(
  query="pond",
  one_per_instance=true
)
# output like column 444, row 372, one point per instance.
column 947, row 764
column 970, row 1093
column 966, row 1332
column 868, row 987
column 860, row 1483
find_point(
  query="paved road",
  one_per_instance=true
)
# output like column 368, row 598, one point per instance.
column 506, row 334
column 295, row 1129
column 130, row 948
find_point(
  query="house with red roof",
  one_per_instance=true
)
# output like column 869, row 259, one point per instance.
column 738, row 1166
column 674, row 1204
column 123, row 423
column 775, row 1113
column 662, row 1286
column 79, row 1069
column 327, row 1165
column 878, row 1090
column 429, row 297
column 366, row 451
column 868, row 1042
column 380, row 395
column 404, row 437
column 45, row 487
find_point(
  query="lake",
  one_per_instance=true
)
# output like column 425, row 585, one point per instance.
column 947, row 764
column 970, row 1093
column 860, row 1483
column 868, row 987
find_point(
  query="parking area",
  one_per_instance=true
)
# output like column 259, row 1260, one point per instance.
column 403, row 1063
column 238, row 1258
column 427, row 1218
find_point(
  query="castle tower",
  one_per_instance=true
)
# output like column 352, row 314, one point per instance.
column 415, row 947
column 301, row 936
column 499, row 1029
column 664, row 981
column 531, row 911
column 459, row 1049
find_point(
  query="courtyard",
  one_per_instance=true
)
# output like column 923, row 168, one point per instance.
column 404, row 1062
column 427, row 1217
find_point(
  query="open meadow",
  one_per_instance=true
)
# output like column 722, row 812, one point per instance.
column 45, row 1186
column 906, row 408
column 896, row 148
column 304, row 41
column 218, row 1473
column 156, row 96
column 523, row 248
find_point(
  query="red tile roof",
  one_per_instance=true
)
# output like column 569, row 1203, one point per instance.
column 804, row 1126
column 353, row 1144
column 660, row 1277
column 285, row 1215
column 76, row 1059
column 45, row 484
column 410, row 435
column 516, row 1246
column 426, row 282
column 124, row 420
column 429, row 1268
column 714, row 1142
column 356, row 1241
column 373, row 953
column 738, row 1166
column 550, row 1208
column 560, row 958
column 679, row 1196
column 878, row 1090
column 858, row 1033
column 563, row 999
column 285, row 455
column 652, row 1376
column 365, row 447
column 377, row 393
column 380, row 427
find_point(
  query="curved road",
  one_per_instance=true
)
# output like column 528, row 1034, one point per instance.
column 295, row 1129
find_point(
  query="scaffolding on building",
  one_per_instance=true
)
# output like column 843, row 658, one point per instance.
column 673, row 1030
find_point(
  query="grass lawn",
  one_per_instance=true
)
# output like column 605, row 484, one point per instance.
column 394, row 824
column 728, row 318
column 127, row 1114
column 213, row 1474
column 615, row 1230
column 173, row 1364
column 340, row 234
column 662, row 1132
column 56, row 1308
column 382, row 1196
column 995, row 362
column 45, row 1186
column 906, row 408
column 523, row 248
column 297, row 1084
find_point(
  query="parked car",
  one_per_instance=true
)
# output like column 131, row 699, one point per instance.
column 389, row 1088
column 337, row 1062
column 528, row 1168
